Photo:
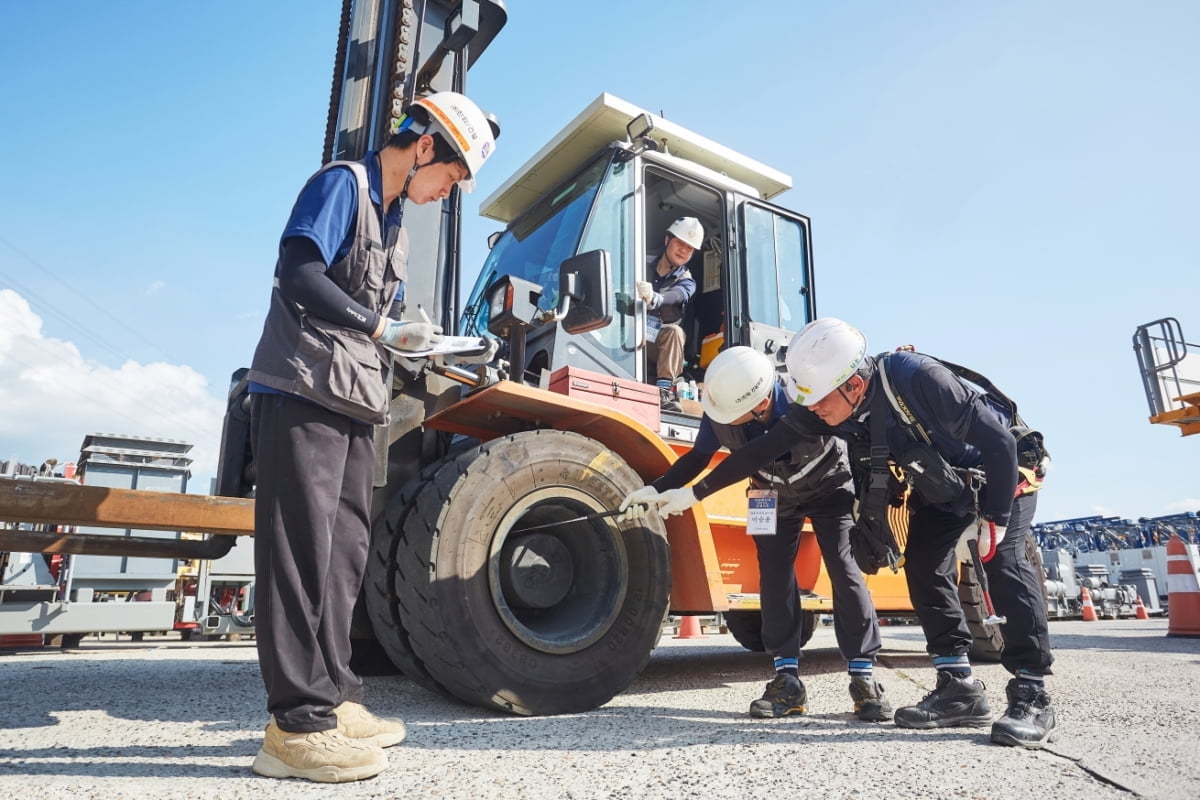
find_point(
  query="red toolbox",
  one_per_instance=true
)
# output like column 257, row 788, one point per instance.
column 638, row 400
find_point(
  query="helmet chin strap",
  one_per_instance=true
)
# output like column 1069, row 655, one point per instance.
column 854, row 407
column 758, row 415
column 412, row 171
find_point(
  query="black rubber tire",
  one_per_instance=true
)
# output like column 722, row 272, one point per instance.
column 387, row 624
column 557, row 620
column 746, row 628
column 988, row 642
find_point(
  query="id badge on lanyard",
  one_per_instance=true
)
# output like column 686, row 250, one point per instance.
column 763, row 507
column 653, row 325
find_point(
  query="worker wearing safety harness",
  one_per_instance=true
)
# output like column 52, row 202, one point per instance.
column 666, row 294
column 320, row 382
column 742, row 400
column 952, row 428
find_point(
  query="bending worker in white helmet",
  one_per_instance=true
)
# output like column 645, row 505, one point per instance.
column 320, row 382
column 666, row 294
column 743, row 399
column 936, row 425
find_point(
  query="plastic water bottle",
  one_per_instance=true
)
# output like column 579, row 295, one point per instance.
column 681, row 389
column 693, row 390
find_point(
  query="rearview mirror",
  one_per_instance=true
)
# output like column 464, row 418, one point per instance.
column 584, row 287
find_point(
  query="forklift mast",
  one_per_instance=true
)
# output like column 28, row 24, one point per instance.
column 389, row 53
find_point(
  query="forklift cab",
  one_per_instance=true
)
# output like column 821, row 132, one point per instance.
column 753, row 272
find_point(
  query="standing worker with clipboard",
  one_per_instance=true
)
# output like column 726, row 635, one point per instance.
column 320, row 382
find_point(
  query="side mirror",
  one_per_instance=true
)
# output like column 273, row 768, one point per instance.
column 585, row 292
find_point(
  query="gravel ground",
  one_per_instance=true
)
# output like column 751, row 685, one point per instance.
column 166, row 719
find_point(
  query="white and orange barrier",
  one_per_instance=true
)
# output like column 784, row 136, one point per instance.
column 1183, row 590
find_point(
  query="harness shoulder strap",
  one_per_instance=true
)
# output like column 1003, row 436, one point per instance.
column 902, row 409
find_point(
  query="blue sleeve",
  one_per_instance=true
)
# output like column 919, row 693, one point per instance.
column 681, row 292
column 325, row 212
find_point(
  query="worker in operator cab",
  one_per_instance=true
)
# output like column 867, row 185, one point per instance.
column 743, row 399
column 666, row 293
column 320, row 382
column 974, row 469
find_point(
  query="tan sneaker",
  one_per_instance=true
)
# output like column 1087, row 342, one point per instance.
column 322, row 756
column 362, row 726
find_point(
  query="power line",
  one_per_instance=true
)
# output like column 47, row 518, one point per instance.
column 89, row 301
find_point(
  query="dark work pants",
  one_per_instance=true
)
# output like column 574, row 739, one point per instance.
column 311, row 536
column 1016, row 587
column 854, row 622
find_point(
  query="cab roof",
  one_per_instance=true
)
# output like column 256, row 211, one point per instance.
column 604, row 121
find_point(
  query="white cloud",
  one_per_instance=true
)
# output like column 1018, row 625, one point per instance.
column 51, row 397
column 1187, row 504
column 154, row 287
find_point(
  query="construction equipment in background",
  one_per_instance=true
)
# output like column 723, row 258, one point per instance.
column 1117, row 559
column 1170, row 370
column 85, row 579
column 494, row 575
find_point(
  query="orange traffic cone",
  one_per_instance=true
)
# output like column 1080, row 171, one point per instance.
column 689, row 628
column 1089, row 610
column 1183, row 591
column 1140, row 613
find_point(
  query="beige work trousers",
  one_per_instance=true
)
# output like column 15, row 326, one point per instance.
column 667, row 352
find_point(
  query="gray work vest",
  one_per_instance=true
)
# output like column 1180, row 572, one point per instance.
column 341, row 369
column 815, row 467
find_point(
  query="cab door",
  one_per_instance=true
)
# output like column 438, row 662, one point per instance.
column 774, row 297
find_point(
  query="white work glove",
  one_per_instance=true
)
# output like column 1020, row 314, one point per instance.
column 650, row 297
column 676, row 501
column 637, row 502
column 409, row 335
column 987, row 534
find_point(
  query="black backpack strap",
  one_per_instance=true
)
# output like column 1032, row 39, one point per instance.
column 983, row 382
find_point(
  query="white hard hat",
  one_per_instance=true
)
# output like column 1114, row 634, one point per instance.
column 735, row 382
column 464, row 127
column 822, row 356
column 689, row 229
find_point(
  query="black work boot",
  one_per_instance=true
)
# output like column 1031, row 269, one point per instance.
column 955, row 702
column 667, row 401
column 869, row 703
column 1029, row 720
column 785, row 695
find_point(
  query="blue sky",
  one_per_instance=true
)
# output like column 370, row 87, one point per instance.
column 1012, row 186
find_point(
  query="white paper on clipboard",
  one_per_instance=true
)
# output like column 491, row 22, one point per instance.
column 448, row 344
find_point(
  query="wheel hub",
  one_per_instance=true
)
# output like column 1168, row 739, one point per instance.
column 537, row 571
column 558, row 589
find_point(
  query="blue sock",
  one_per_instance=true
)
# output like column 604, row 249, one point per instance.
column 862, row 668
column 664, row 383
column 788, row 665
column 958, row 666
